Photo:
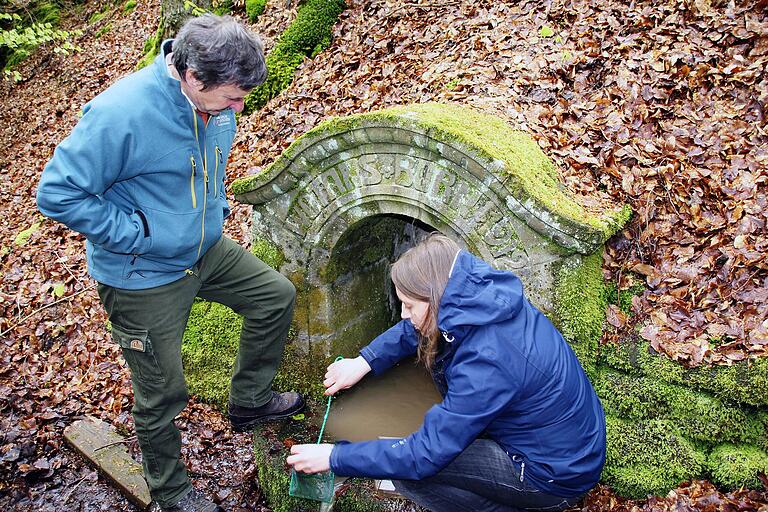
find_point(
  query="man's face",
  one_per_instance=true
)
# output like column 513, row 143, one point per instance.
column 215, row 99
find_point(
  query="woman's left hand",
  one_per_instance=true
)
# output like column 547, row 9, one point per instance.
column 310, row 458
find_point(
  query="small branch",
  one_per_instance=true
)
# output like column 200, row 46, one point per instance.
column 74, row 487
column 122, row 441
column 66, row 267
column 42, row 308
column 423, row 6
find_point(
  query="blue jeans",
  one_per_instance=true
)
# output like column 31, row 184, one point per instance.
column 482, row 478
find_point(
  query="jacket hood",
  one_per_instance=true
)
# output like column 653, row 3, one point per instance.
column 477, row 294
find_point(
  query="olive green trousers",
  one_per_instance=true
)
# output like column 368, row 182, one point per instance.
column 149, row 325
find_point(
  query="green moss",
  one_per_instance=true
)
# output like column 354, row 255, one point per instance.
column 254, row 9
column 103, row 30
column 528, row 173
column 209, row 350
column 46, row 12
column 309, row 33
column 580, row 305
column 129, row 5
column 649, row 457
column 745, row 382
column 98, row 16
column 270, row 452
column 697, row 415
column 623, row 298
column 268, row 252
column 733, row 467
column 151, row 48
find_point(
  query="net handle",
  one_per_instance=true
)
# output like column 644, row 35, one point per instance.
column 327, row 409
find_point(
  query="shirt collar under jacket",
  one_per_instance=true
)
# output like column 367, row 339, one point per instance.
column 168, row 64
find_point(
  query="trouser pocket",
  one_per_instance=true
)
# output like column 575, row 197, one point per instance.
column 137, row 351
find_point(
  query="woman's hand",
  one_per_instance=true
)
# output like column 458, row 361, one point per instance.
column 345, row 374
column 310, row 458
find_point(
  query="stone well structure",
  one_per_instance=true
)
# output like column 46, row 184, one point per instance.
column 345, row 199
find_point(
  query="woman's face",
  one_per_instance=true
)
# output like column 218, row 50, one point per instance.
column 415, row 310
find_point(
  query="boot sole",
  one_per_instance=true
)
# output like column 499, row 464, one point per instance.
column 251, row 424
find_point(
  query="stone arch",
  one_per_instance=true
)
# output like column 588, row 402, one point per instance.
column 463, row 173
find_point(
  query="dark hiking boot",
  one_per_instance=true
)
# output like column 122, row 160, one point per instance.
column 281, row 405
column 193, row 502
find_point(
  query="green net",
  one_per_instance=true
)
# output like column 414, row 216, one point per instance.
column 316, row 486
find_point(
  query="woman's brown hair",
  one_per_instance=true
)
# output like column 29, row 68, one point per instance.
column 422, row 273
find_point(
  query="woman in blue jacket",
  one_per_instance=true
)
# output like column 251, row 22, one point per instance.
column 519, row 427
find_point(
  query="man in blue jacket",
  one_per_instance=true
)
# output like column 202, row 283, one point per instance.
column 142, row 177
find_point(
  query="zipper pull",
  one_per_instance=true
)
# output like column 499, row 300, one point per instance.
column 220, row 155
column 522, row 471
column 194, row 165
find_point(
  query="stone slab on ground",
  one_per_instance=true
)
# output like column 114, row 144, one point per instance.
column 98, row 442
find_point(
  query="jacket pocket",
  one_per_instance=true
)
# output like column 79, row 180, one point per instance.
column 137, row 351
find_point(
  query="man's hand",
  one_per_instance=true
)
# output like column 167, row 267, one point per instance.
column 345, row 374
column 310, row 458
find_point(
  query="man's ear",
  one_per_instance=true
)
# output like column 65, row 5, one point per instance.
column 191, row 79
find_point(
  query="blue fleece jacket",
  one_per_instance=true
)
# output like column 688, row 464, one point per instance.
column 142, row 177
column 506, row 373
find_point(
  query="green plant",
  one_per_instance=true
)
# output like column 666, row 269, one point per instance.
column 254, row 9
column 18, row 41
column 129, row 5
column 309, row 34
column 733, row 466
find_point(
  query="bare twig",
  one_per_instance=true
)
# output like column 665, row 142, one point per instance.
column 423, row 6
column 38, row 310
column 122, row 441
column 67, row 268
column 74, row 487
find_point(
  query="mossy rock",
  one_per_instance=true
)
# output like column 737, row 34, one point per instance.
column 306, row 36
column 732, row 467
column 580, row 301
column 649, row 457
column 697, row 415
column 526, row 172
column 744, row 382
column 254, row 9
column 209, row 351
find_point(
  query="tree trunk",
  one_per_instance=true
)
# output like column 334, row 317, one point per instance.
column 173, row 14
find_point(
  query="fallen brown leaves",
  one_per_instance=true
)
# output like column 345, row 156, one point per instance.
column 658, row 104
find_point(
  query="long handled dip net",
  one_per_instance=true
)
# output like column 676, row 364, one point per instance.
column 317, row 486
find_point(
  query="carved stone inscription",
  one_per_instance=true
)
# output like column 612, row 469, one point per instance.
column 438, row 183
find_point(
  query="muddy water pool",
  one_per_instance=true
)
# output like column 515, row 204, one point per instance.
column 390, row 405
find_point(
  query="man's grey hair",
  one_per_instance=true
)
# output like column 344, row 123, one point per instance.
column 219, row 51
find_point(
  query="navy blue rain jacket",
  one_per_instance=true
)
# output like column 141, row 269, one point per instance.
column 507, row 374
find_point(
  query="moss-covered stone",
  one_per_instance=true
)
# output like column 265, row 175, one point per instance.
column 745, row 382
column 697, row 415
column 309, row 33
column 580, row 301
column 732, row 467
column 209, row 350
column 528, row 174
column 648, row 457
column 254, row 9
column 268, row 252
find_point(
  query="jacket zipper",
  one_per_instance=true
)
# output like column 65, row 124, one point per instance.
column 219, row 158
column 192, row 181
column 205, row 182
